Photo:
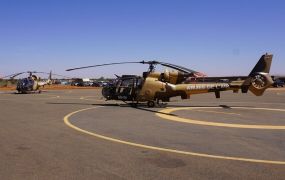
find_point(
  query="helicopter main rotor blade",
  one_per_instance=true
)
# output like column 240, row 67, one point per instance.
column 9, row 76
column 35, row 72
column 17, row 74
column 28, row 72
column 85, row 67
column 61, row 76
column 179, row 68
column 151, row 63
column 173, row 66
column 56, row 75
column 12, row 76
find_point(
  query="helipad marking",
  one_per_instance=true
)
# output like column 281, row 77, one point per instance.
column 67, row 122
column 87, row 98
column 248, row 102
column 163, row 114
column 48, row 97
column 217, row 112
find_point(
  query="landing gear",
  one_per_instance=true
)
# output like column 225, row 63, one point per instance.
column 160, row 103
column 150, row 104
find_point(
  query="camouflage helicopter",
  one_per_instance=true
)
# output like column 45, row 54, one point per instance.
column 32, row 83
column 154, row 87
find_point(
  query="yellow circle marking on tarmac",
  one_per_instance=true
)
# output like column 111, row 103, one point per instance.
column 164, row 114
column 68, row 123
column 217, row 112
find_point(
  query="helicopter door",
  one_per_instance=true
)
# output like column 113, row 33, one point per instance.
column 125, row 89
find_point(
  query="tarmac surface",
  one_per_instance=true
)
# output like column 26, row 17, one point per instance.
column 75, row 134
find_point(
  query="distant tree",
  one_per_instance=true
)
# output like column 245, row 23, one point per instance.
column 101, row 78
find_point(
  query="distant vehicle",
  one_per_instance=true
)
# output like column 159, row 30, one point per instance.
column 74, row 83
column 223, row 81
column 278, row 83
column 87, row 84
column 102, row 83
column 64, row 83
column 81, row 82
column 95, row 84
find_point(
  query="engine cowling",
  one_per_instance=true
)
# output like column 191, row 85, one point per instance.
column 174, row 77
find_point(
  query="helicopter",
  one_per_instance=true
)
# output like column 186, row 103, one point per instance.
column 32, row 83
column 156, row 87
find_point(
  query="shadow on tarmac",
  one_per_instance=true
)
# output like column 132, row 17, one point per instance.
column 143, row 107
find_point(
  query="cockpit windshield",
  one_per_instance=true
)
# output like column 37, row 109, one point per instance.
column 27, row 82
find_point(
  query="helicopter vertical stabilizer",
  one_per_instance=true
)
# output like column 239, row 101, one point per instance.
column 263, row 65
column 49, row 81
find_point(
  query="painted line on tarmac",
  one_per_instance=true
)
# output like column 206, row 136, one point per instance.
column 163, row 114
column 6, row 99
column 69, row 124
column 48, row 97
column 87, row 98
column 217, row 112
column 266, row 103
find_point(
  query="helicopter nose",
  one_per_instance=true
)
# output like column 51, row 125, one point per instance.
column 106, row 92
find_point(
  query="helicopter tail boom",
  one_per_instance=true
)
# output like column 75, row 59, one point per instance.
column 257, row 82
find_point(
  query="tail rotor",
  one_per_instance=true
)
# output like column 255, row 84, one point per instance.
column 259, row 78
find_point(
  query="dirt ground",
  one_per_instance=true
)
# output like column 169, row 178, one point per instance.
column 50, row 87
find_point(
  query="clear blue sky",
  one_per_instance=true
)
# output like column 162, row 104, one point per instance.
column 221, row 37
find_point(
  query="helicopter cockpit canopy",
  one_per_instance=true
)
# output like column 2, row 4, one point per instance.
column 123, row 88
column 127, row 85
column 25, row 84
